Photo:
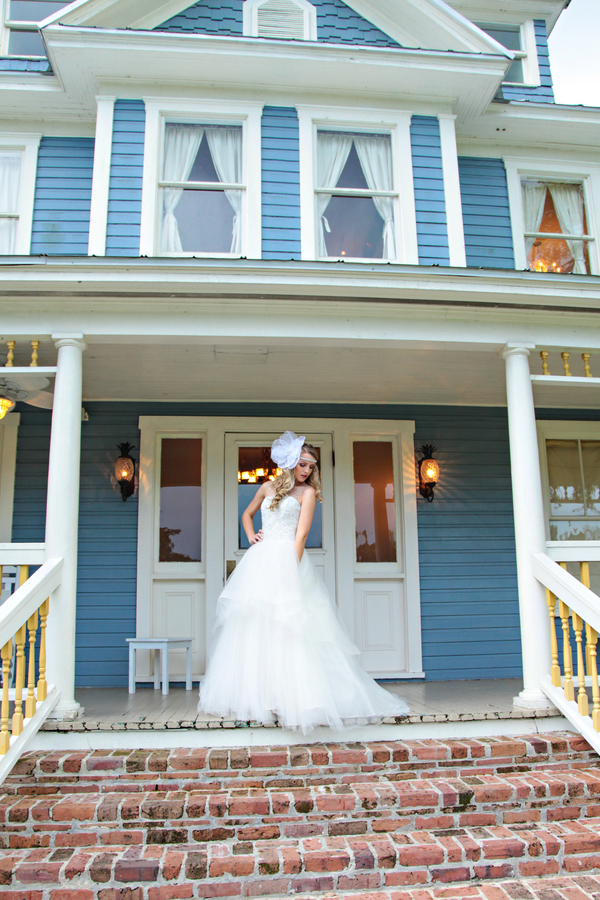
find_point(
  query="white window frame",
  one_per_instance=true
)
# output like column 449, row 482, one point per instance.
column 250, row 18
column 9, row 427
column 397, row 125
column 519, row 168
column 18, row 25
column 565, row 431
column 206, row 112
column 528, row 54
column 26, row 145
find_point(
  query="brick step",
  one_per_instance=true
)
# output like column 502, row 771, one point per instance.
column 295, row 766
column 314, row 864
column 246, row 814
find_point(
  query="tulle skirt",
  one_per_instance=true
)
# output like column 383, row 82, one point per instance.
column 280, row 652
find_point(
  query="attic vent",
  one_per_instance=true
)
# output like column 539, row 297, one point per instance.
column 292, row 20
column 280, row 19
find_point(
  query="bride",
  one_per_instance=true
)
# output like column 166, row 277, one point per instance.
column 280, row 652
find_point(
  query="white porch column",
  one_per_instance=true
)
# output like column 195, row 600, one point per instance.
column 530, row 533
column 62, row 515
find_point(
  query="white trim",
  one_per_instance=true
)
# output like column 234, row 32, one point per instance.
column 531, row 66
column 454, row 216
column 562, row 430
column 397, row 124
column 101, row 176
column 9, row 427
column 250, row 20
column 588, row 174
column 248, row 115
column 27, row 145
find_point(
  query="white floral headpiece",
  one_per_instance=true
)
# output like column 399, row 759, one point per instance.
column 287, row 449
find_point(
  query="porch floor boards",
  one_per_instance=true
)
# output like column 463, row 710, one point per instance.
column 114, row 709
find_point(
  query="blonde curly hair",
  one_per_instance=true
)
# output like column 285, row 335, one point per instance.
column 284, row 483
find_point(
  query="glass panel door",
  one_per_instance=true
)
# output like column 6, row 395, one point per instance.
column 374, row 502
column 180, row 525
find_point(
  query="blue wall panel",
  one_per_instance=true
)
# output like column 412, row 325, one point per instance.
column 125, row 186
column 430, row 203
column 544, row 92
column 486, row 214
column 280, row 183
column 466, row 540
column 336, row 22
column 63, row 196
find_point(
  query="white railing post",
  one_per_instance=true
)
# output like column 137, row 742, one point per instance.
column 530, row 532
column 62, row 516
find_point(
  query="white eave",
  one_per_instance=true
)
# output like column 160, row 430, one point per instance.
column 48, row 283
column 535, row 125
column 85, row 58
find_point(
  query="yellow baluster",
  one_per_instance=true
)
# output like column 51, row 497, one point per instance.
column 555, row 670
column 23, row 575
column 584, row 577
column 565, row 359
column 545, row 369
column 11, row 354
column 34, row 354
column 592, row 640
column 30, row 704
column 582, row 697
column 17, row 719
column 42, row 691
column 586, row 365
column 6, row 653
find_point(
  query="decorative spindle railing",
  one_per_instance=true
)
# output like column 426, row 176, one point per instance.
column 565, row 356
column 23, row 621
column 574, row 666
column 10, row 354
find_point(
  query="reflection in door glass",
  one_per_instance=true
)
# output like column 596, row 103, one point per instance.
column 255, row 467
column 374, row 505
column 180, row 500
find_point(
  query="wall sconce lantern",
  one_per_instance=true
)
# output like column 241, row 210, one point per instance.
column 125, row 470
column 429, row 471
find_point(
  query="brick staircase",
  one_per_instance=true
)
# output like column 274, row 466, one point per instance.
column 382, row 818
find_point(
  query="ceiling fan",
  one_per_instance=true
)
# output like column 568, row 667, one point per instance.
column 27, row 390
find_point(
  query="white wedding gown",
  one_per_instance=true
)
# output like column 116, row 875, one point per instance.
column 280, row 652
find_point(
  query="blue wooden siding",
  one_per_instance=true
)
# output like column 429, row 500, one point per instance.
column 125, row 187
column 63, row 196
column 466, row 540
column 542, row 93
column 430, row 203
column 486, row 214
column 337, row 23
column 280, row 183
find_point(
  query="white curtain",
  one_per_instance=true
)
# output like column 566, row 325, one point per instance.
column 226, row 150
column 332, row 153
column 534, row 197
column 181, row 148
column 10, row 172
column 568, row 203
column 375, row 155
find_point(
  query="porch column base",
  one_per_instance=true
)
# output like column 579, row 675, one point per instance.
column 67, row 711
column 532, row 699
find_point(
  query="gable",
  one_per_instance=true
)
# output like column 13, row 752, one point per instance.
column 337, row 23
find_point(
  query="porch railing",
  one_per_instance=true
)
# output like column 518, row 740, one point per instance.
column 23, row 621
column 573, row 638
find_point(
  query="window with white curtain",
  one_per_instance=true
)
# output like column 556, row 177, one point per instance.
column 556, row 226
column 21, row 17
column 10, row 179
column 355, row 196
column 201, row 189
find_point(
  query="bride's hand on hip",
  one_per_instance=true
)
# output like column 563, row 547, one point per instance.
column 257, row 537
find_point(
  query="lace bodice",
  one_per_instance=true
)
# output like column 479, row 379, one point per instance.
column 280, row 524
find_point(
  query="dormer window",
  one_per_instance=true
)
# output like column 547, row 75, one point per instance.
column 21, row 32
column 521, row 40
column 292, row 20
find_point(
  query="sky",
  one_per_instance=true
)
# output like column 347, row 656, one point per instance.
column 575, row 54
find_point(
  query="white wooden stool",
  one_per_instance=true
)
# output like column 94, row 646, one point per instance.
column 164, row 645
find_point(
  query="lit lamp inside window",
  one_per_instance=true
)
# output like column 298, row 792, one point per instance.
column 429, row 471
column 6, row 405
column 125, row 470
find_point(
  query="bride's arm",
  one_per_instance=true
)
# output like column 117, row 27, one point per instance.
column 309, row 499
column 250, row 512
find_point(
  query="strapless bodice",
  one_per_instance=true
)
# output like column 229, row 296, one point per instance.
column 280, row 524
